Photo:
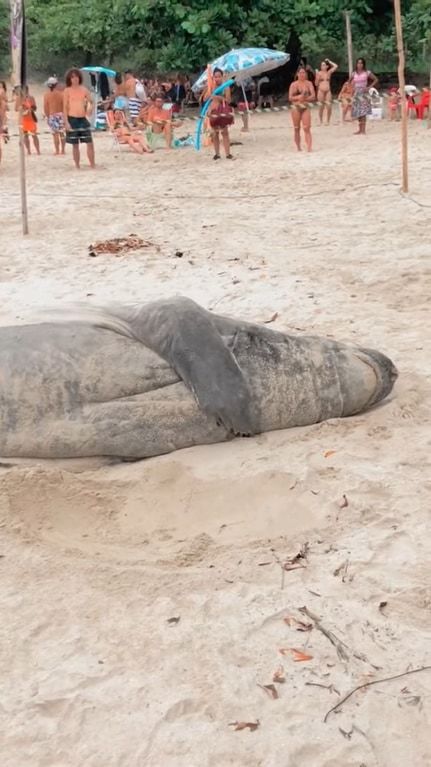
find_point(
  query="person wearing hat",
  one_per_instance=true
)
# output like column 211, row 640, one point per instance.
column 53, row 111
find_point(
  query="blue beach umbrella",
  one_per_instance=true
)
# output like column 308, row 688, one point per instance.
column 247, row 62
column 99, row 70
column 240, row 63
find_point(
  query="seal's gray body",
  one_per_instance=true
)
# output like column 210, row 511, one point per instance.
column 139, row 382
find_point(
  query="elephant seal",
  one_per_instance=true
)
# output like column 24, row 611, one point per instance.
column 134, row 382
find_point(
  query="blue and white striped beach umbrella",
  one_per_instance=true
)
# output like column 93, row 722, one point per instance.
column 248, row 62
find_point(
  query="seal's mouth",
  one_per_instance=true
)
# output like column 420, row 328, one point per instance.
column 385, row 372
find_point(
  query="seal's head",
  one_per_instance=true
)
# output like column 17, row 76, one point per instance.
column 366, row 377
column 385, row 372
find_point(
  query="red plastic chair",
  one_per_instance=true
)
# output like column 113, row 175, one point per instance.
column 421, row 106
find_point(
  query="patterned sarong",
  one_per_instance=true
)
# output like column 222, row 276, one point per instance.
column 361, row 104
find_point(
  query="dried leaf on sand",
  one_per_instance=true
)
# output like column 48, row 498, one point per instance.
column 298, row 655
column 296, row 624
column 252, row 726
column 298, row 560
column 279, row 676
column 271, row 319
column 270, row 690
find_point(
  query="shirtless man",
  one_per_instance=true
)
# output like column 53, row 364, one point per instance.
column 301, row 96
column 160, row 120
column 77, row 105
column 323, row 85
column 53, row 111
column 135, row 94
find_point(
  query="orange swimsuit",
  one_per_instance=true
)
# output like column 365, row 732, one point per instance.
column 28, row 123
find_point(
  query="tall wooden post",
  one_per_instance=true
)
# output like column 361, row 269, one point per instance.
column 22, row 177
column 19, row 65
column 402, row 87
column 347, row 15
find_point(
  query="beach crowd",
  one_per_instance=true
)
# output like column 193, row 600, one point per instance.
column 142, row 114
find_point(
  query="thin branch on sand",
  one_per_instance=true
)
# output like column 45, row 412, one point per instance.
column 368, row 684
column 338, row 644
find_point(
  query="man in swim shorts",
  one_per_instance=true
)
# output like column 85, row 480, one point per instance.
column 77, row 104
column 53, row 111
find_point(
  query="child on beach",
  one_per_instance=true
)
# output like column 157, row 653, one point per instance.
column 26, row 105
column 345, row 96
column 394, row 103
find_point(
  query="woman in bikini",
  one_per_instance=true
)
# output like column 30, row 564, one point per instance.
column 128, row 135
column 301, row 96
column 220, row 116
column 323, row 86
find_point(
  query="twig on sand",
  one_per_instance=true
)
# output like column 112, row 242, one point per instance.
column 344, row 189
column 368, row 684
column 411, row 199
column 329, row 687
column 338, row 644
column 292, row 563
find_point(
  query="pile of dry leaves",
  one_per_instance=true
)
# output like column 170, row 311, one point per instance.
column 118, row 246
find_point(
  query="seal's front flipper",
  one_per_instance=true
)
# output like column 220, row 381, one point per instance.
column 184, row 334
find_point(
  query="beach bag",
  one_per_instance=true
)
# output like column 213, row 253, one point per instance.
column 242, row 106
column 222, row 115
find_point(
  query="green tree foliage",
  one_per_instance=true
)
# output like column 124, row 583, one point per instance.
column 417, row 30
column 4, row 36
column 168, row 35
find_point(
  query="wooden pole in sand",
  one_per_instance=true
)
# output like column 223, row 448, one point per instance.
column 347, row 15
column 19, row 66
column 402, row 88
column 22, row 177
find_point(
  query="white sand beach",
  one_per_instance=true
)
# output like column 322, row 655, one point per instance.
column 95, row 562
